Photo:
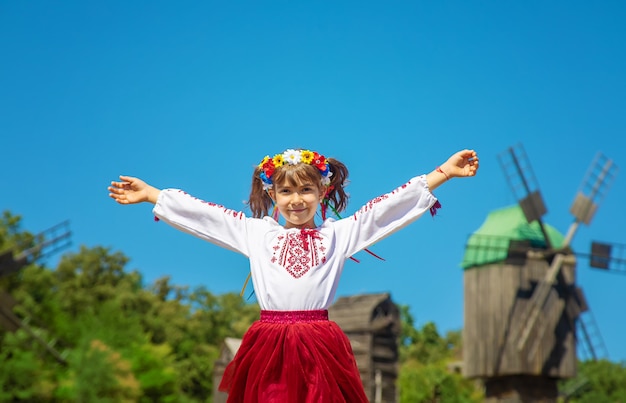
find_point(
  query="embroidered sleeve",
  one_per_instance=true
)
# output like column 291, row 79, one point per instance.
column 209, row 221
column 385, row 214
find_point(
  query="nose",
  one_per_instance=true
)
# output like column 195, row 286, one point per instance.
column 296, row 198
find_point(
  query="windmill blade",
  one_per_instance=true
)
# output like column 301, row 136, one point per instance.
column 538, row 300
column 8, row 320
column 571, row 390
column 9, row 264
column 610, row 257
column 550, row 317
column 594, row 187
column 521, row 179
column 47, row 242
column 593, row 344
column 11, row 322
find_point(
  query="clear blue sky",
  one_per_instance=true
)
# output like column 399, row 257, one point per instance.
column 193, row 94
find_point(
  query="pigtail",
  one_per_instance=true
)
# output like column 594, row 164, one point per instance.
column 336, row 195
column 259, row 202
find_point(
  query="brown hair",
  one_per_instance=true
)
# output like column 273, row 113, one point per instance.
column 260, row 202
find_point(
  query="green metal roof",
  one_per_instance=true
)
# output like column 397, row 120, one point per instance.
column 489, row 244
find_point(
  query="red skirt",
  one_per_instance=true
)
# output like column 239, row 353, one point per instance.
column 293, row 356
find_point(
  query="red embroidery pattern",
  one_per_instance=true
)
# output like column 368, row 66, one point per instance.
column 235, row 214
column 369, row 205
column 298, row 252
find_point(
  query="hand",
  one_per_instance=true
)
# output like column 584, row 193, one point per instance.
column 132, row 190
column 463, row 163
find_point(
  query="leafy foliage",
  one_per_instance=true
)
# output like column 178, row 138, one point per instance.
column 428, row 371
column 597, row 382
column 120, row 341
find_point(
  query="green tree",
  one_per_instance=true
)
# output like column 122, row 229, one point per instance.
column 154, row 367
column 99, row 375
column 122, row 340
column 435, row 382
column 597, row 382
column 23, row 375
column 427, row 365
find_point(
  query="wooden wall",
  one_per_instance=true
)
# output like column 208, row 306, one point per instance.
column 372, row 323
column 496, row 296
column 227, row 353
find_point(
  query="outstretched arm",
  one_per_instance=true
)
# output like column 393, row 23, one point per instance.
column 132, row 190
column 461, row 164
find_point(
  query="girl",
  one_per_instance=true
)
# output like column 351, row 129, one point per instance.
column 294, row 353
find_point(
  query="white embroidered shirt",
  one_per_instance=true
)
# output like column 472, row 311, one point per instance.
column 294, row 269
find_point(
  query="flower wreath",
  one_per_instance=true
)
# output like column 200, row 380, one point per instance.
column 293, row 157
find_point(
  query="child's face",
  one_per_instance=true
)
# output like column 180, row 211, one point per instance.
column 297, row 203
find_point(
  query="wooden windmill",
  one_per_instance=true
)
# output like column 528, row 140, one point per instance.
column 522, row 304
column 46, row 243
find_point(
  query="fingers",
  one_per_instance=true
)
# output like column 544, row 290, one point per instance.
column 129, row 179
column 467, row 162
column 128, row 190
column 119, row 185
column 121, row 199
column 469, row 154
column 128, row 183
column 473, row 165
column 118, row 190
column 117, row 193
column 118, row 199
